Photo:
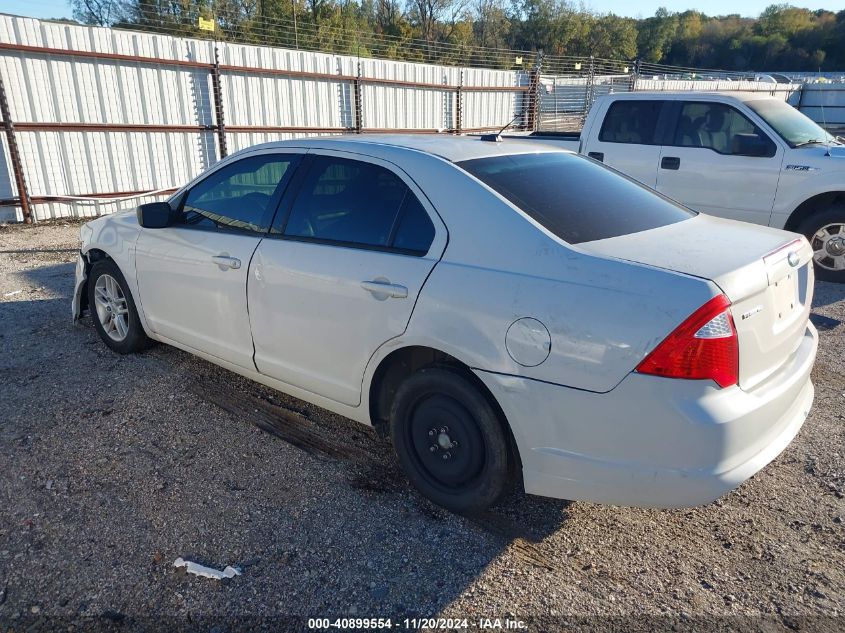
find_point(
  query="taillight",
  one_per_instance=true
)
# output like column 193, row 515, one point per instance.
column 704, row 346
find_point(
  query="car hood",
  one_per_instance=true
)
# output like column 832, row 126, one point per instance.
column 818, row 154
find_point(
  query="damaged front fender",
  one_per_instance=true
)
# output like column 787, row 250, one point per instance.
column 80, row 298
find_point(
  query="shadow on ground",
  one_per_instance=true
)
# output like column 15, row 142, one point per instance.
column 126, row 462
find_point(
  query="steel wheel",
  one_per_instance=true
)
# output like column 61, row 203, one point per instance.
column 111, row 307
column 828, row 245
column 450, row 440
column 446, row 442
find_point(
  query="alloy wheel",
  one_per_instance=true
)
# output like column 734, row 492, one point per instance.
column 828, row 245
column 111, row 307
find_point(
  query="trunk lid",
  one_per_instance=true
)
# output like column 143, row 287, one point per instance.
column 767, row 274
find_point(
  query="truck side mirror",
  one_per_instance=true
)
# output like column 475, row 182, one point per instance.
column 750, row 144
column 154, row 215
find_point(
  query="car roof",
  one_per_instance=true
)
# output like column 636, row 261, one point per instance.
column 450, row 147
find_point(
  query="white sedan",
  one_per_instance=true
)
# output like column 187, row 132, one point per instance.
column 505, row 313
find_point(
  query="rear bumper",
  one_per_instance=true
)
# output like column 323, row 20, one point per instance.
column 651, row 441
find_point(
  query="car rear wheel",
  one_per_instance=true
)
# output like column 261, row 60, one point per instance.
column 113, row 310
column 450, row 441
column 826, row 233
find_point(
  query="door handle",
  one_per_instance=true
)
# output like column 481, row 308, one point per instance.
column 599, row 156
column 385, row 289
column 225, row 262
column 670, row 162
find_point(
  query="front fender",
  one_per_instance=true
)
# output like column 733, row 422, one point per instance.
column 112, row 236
column 796, row 188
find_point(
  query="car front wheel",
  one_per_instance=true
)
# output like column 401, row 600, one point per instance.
column 826, row 232
column 113, row 310
column 450, row 441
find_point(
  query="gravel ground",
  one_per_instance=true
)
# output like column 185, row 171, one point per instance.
column 112, row 467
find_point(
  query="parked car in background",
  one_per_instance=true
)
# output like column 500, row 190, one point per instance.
column 504, row 312
column 743, row 156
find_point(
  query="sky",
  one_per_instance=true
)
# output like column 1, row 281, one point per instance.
column 640, row 8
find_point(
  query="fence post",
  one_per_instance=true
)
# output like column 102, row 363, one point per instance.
column 635, row 75
column 459, row 104
column 14, row 155
column 533, row 108
column 218, row 106
column 356, row 97
column 588, row 91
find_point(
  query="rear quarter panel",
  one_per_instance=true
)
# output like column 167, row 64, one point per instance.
column 603, row 315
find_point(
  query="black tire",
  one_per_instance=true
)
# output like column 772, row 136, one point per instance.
column 465, row 468
column 833, row 215
column 135, row 339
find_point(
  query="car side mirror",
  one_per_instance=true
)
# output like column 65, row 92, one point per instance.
column 154, row 215
column 751, row 144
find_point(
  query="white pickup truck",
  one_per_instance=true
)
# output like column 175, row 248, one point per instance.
column 744, row 156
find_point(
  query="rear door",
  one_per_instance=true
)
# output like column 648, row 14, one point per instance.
column 628, row 138
column 706, row 165
column 340, row 271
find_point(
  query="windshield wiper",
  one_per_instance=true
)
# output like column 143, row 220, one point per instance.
column 812, row 142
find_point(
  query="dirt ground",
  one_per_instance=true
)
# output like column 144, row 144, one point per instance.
column 111, row 467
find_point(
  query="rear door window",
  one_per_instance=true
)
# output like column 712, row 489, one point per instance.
column 631, row 121
column 574, row 198
column 350, row 202
column 414, row 230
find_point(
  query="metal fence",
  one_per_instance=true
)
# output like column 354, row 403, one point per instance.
column 825, row 104
column 98, row 115
column 566, row 97
column 99, row 119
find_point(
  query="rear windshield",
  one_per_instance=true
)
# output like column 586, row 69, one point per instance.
column 573, row 197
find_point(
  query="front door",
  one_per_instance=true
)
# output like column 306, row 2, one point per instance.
column 340, row 272
column 720, row 163
column 192, row 275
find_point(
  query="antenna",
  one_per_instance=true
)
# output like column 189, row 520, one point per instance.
column 824, row 122
column 497, row 137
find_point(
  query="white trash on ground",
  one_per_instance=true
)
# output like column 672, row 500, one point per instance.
column 206, row 572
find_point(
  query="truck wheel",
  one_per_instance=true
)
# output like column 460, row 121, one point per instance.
column 450, row 441
column 826, row 232
column 113, row 311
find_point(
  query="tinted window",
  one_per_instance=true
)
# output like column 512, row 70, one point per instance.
column 347, row 201
column 631, row 121
column 715, row 126
column 415, row 231
column 242, row 195
column 574, row 198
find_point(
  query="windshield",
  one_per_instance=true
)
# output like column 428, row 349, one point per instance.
column 795, row 128
column 575, row 198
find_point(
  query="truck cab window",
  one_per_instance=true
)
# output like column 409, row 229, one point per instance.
column 631, row 121
column 716, row 126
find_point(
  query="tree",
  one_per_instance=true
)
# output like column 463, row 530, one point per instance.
column 98, row 12
column 656, row 35
column 612, row 37
column 487, row 32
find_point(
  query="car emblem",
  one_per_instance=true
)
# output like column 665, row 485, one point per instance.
column 793, row 259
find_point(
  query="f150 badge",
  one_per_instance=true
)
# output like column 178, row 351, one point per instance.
column 801, row 168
